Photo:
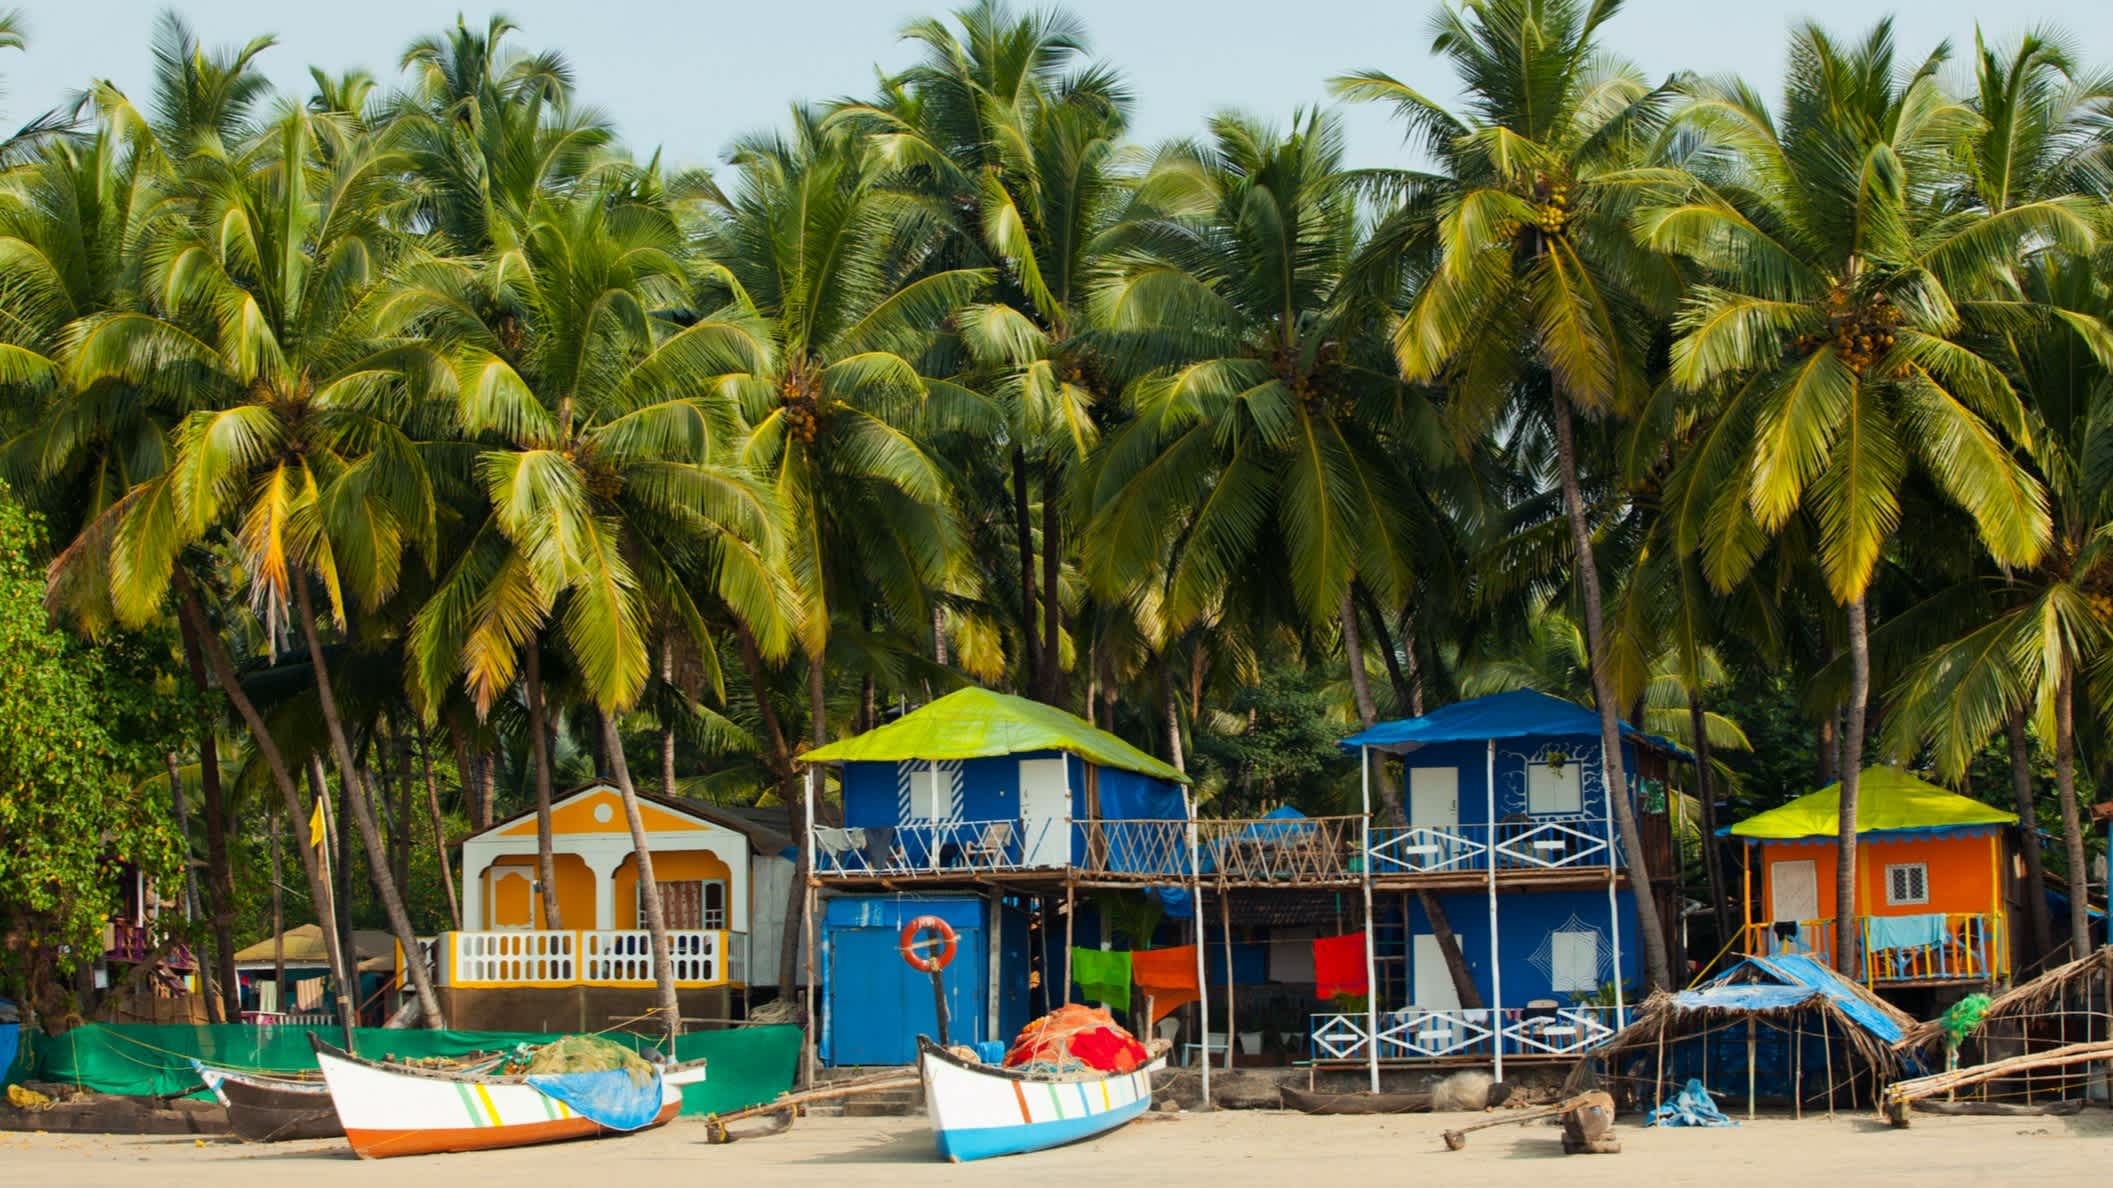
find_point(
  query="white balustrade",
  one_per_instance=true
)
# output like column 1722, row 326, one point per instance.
column 1412, row 1035
column 943, row 848
column 532, row 957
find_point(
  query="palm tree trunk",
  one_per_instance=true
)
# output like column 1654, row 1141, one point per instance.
column 1380, row 636
column 2072, row 824
column 192, row 613
column 939, row 635
column 539, row 750
column 2021, row 788
column 1845, row 916
column 667, row 731
column 278, row 907
column 219, row 869
column 216, row 1010
column 1024, row 528
column 1172, row 708
column 1367, row 709
column 363, row 816
column 1706, row 796
column 1613, row 780
column 440, row 833
column 1408, row 649
column 669, row 1007
column 780, row 760
column 1052, row 684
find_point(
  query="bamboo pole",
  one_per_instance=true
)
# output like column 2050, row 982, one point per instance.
column 1749, row 1068
column 1203, row 983
column 1070, row 915
column 1827, row 1055
column 1662, row 1021
column 1797, row 1068
column 1364, row 878
column 1232, row 1034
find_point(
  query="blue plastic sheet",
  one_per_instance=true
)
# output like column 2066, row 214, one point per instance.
column 1520, row 714
column 1692, row 1106
column 611, row 1098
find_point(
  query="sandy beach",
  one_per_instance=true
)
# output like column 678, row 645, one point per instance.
column 1222, row 1149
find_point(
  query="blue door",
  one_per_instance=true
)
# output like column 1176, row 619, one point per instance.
column 878, row 1005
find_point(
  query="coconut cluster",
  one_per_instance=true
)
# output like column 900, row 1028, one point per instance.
column 801, row 398
column 1551, row 197
column 1861, row 332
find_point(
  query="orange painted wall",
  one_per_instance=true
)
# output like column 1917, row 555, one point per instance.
column 1962, row 874
column 578, row 818
column 508, row 904
column 669, row 867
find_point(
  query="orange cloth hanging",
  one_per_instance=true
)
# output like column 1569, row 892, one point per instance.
column 1339, row 965
column 1168, row 976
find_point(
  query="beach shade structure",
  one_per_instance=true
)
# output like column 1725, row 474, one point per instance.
column 2069, row 1004
column 1785, row 1030
column 1932, row 882
column 304, row 950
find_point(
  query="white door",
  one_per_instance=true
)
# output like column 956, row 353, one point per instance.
column 1793, row 890
column 1434, row 982
column 1434, row 797
column 1045, row 807
column 1573, row 962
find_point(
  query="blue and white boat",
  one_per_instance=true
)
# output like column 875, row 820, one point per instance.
column 981, row 1110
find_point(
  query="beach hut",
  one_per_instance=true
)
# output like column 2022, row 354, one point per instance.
column 300, row 951
column 990, row 812
column 1932, row 882
column 1786, row 1030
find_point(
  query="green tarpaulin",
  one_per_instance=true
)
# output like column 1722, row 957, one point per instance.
column 1886, row 799
column 975, row 723
column 748, row 1065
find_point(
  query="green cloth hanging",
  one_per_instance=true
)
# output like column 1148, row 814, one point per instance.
column 1102, row 977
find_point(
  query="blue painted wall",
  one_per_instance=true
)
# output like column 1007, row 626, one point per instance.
column 1472, row 760
column 875, row 1004
column 1525, row 920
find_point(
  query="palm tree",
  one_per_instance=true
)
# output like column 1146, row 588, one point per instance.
column 606, row 439
column 838, row 269
column 1000, row 125
column 1531, row 284
column 286, row 438
column 1837, row 326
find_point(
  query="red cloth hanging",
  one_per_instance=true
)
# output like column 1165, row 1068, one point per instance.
column 1339, row 965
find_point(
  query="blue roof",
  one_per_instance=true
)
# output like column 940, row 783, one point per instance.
column 1519, row 714
column 1787, row 981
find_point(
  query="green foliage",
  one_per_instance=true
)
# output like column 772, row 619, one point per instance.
column 79, row 727
column 1276, row 744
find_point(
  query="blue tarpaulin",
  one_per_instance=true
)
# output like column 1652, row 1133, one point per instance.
column 1520, row 714
column 612, row 1098
column 1692, row 1106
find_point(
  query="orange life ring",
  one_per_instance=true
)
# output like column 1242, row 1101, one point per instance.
column 910, row 945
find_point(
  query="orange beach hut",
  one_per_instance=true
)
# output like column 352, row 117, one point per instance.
column 1932, row 882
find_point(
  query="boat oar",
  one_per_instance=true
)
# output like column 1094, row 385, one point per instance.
column 1456, row 1139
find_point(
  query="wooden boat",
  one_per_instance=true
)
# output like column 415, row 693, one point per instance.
column 266, row 1109
column 1307, row 1101
column 981, row 1110
column 391, row 1109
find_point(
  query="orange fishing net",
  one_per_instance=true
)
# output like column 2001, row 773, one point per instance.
column 1075, row 1038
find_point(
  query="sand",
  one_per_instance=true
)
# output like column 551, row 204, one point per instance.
column 1221, row 1150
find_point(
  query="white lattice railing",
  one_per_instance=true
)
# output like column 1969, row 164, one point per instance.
column 541, row 957
column 1534, row 843
column 943, row 847
column 1413, row 1034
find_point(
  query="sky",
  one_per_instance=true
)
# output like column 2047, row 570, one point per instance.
column 690, row 76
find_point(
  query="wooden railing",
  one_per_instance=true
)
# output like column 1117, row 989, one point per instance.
column 1149, row 851
column 1280, row 850
column 1412, row 1034
column 1951, row 947
column 617, row 957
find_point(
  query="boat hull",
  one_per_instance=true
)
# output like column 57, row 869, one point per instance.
column 386, row 1112
column 273, row 1109
column 1307, row 1102
column 979, row 1112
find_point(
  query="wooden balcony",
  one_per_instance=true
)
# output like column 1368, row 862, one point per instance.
column 1281, row 851
column 1957, row 948
column 551, row 958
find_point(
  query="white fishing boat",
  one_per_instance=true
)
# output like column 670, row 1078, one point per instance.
column 267, row 1109
column 981, row 1110
column 391, row 1109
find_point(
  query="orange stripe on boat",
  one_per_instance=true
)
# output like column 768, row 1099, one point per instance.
column 1020, row 1095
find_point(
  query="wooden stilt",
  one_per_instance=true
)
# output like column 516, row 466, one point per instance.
column 1232, row 1033
column 1827, row 1057
column 1661, row 1059
column 1070, row 917
column 1749, row 1069
column 1797, row 1068
column 810, row 1053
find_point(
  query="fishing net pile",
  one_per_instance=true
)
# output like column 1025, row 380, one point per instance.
column 580, row 1054
column 1074, row 1039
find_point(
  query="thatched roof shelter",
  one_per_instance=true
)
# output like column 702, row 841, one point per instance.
column 1781, row 1028
column 2069, row 1004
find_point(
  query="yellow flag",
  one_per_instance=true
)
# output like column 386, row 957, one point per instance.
column 315, row 824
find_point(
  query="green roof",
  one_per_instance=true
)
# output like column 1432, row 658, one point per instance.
column 975, row 723
column 1886, row 799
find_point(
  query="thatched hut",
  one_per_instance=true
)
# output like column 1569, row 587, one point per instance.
column 1785, row 1030
column 2070, row 1004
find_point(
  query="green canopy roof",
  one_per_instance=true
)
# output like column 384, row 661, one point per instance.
column 975, row 723
column 1886, row 799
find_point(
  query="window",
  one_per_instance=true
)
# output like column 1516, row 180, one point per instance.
column 928, row 799
column 1555, row 787
column 1908, row 883
column 695, row 903
column 1574, row 962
